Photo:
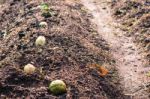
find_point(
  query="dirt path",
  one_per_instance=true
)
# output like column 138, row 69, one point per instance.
column 129, row 61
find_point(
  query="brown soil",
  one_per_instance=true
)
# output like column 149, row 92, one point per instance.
column 134, row 15
column 72, row 45
column 80, row 34
column 135, row 18
column 129, row 60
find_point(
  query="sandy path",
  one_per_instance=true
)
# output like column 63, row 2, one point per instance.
column 129, row 61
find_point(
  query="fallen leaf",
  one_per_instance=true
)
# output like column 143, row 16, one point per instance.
column 103, row 71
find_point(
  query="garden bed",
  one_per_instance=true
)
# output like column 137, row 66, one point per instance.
column 72, row 46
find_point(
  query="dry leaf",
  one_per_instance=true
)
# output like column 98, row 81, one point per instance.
column 103, row 71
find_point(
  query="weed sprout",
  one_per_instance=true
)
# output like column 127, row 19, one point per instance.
column 45, row 10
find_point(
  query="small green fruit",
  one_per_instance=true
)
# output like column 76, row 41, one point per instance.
column 29, row 69
column 43, row 24
column 57, row 87
column 40, row 41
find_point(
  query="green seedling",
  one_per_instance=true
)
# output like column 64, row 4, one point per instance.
column 57, row 87
column 45, row 10
column 44, row 6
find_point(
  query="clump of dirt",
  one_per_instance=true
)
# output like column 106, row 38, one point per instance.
column 71, row 45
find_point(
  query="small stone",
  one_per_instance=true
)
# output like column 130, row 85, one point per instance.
column 40, row 41
column 29, row 69
column 43, row 24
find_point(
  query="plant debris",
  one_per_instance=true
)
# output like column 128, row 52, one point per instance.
column 102, row 70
